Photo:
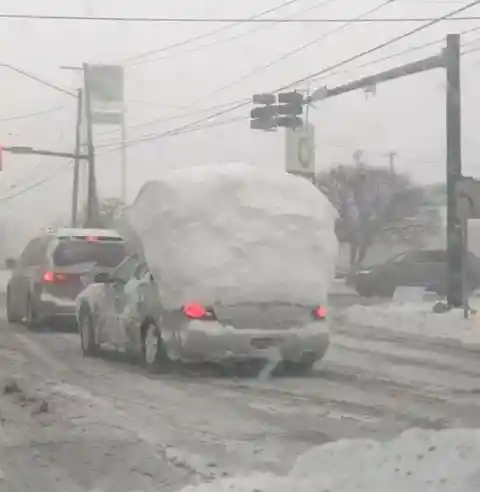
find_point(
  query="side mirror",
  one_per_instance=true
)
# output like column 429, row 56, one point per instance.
column 10, row 263
column 102, row 278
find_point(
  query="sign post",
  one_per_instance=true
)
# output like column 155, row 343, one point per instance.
column 300, row 151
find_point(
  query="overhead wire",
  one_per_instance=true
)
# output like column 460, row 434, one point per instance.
column 31, row 115
column 242, row 103
column 39, row 79
column 199, row 37
column 169, row 49
column 223, row 20
column 264, row 67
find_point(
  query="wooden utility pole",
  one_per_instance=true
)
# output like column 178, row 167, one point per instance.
column 76, row 167
column 391, row 161
column 92, row 199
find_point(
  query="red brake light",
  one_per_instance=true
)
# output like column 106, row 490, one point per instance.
column 196, row 311
column 91, row 239
column 53, row 278
column 320, row 312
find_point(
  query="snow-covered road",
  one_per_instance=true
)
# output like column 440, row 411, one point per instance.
column 107, row 426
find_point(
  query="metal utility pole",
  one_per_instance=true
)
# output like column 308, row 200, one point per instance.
column 123, row 150
column 92, row 199
column 454, row 171
column 76, row 167
column 449, row 59
column 391, row 161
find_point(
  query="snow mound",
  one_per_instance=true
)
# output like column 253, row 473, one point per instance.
column 235, row 234
column 416, row 461
column 418, row 319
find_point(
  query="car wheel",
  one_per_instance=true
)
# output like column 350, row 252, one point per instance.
column 12, row 317
column 87, row 336
column 299, row 368
column 155, row 358
column 30, row 315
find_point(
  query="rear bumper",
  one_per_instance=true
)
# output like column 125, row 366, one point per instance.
column 49, row 307
column 212, row 342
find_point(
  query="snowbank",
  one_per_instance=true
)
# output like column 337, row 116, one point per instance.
column 416, row 461
column 418, row 319
column 231, row 234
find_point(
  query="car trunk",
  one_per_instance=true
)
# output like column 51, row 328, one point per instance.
column 69, row 281
column 269, row 316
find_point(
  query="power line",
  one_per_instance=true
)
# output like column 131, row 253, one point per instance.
column 31, row 115
column 382, row 45
column 220, row 20
column 36, row 184
column 411, row 49
column 264, row 67
column 324, row 71
column 38, row 79
column 203, row 36
column 293, row 52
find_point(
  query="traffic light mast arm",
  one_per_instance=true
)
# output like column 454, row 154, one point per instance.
column 372, row 80
column 31, row 151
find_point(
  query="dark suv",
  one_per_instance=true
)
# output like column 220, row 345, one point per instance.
column 55, row 267
column 417, row 268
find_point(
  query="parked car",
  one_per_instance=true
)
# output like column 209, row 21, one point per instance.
column 54, row 268
column 125, row 311
column 416, row 268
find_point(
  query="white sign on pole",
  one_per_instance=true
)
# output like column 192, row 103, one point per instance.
column 300, row 150
column 106, row 84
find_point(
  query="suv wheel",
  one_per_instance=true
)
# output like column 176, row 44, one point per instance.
column 87, row 336
column 12, row 317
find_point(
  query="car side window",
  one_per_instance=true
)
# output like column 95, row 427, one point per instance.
column 126, row 270
column 141, row 271
column 34, row 253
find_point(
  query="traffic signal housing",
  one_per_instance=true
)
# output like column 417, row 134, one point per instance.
column 269, row 115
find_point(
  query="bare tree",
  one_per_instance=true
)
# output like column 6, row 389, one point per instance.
column 374, row 204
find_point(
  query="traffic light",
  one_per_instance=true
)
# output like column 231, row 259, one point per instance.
column 264, row 117
column 290, row 109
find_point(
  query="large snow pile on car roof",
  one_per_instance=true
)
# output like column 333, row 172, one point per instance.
column 416, row 461
column 231, row 234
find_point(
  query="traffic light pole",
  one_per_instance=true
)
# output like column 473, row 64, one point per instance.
column 450, row 60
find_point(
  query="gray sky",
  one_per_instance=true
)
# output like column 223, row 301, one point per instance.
column 175, row 85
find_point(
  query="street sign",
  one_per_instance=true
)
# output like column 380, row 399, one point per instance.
column 300, row 150
column 467, row 194
column 290, row 122
column 106, row 87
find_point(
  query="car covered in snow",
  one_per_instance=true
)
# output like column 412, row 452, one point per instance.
column 233, row 265
column 54, row 268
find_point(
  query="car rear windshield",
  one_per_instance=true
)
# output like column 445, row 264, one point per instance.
column 106, row 254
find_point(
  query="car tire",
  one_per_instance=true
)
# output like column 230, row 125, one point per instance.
column 31, row 320
column 12, row 317
column 155, row 358
column 87, row 336
column 299, row 368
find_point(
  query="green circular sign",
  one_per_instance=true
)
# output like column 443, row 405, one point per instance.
column 305, row 153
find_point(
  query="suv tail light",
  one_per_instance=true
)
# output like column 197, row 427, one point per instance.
column 197, row 311
column 53, row 278
column 320, row 313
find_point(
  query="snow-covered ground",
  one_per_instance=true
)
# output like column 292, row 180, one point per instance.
column 417, row 318
column 416, row 461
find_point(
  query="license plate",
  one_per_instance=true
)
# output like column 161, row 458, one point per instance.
column 263, row 343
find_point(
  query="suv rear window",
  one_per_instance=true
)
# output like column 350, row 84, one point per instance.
column 106, row 254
